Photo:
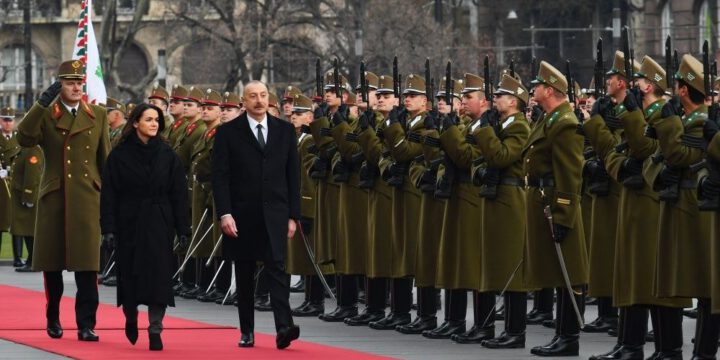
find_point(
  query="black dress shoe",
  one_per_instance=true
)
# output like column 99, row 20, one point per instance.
column 365, row 318
column 549, row 323
column 26, row 268
column 110, row 280
column 18, row 263
column 286, row 336
column 591, row 300
column 339, row 314
column 536, row 317
column 505, row 341
column 601, row 325
column 446, row 330
column 155, row 342
column 212, row 296
column 613, row 332
column 561, row 345
column 228, row 300
column 615, row 349
column 299, row 286
column 263, row 303
column 310, row 309
column 391, row 321
column 247, row 340
column 131, row 332
column 192, row 293
column 669, row 355
column 87, row 335
column 420, row 324
column 475, row 335
column 54, row 330
column 623, row 353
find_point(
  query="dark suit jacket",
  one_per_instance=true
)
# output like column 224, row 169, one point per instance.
column 260, row 188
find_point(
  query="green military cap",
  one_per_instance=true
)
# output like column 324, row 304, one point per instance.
column 195, row 94
column 274, row 101
column 179, row 93
column 231, row 100
column 372, row 81
column 290, row 92
column 473, row 83
column 691, row 72
column 618, row 67
column 457, row 88
column 510, row 85
column 159, row 92
column 112, row 104
column 7, row 113
column 71, row 70
column 414, row 84
column 653, row 72
column 330, row 82
column 212, row 98
column 302, row 103
column 507, row 71
column 385, row 85
column 550, row 76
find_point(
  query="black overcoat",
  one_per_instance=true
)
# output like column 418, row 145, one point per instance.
column 144, row 202
column 259, row 187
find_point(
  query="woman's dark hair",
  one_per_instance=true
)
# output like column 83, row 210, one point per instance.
column 135, row 117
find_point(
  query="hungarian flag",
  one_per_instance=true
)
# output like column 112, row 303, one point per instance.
column 86, row 50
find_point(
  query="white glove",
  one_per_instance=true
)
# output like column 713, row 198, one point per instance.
column 3, row 173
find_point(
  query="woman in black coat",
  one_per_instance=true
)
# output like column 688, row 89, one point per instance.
column 143, row 205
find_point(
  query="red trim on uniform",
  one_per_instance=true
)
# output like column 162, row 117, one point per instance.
column 190, row 128
column 178, row 123
column 211, row 103
column 179, row 98
column 57, row 112
column 87, row 109
column 33, row 160
column 211, row 133
column 158, row 97
column 230, row 105
column 189, row 98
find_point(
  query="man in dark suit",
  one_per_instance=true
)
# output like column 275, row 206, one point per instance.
column 256, row 186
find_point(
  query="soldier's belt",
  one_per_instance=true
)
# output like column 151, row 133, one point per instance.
column 688, row 184
column 512, row 181
column 694, row 141
column 547, row 181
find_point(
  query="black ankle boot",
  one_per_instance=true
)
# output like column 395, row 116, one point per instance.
column 561, row 345
column 156, row 342
column 131, row 332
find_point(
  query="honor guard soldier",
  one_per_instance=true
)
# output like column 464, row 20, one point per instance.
column 26, row 174
column 501, row 136
column 129, row 109
column 553, row 166
column 298, row 258
column 160, row 98
column 684, row 232
column 74, row 137
column 379, row 255
column 116, row 119
column 231, row 106
column 177, row 111
column 9, row 150
column 274, row 105
column 287, row 100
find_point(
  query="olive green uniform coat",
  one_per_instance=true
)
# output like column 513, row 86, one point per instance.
column 406, row 212
column 379, row 254
column 684, row 231
column 69, row 201
column 26, row 175
column 554, row 148
column 326, row 205
column 503, row 221
column 459, row 257
column 604, row 214
column 202, row 197
column 9, row 149
column 177, row 129
column 298, row 261
column 186, row 143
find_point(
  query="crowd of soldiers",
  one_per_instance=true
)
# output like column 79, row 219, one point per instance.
column 488, row 189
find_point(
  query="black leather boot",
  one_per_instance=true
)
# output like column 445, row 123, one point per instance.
column 484, row 324
column 427, row 308
column 542, row 307
column 17, row 246
column 455, row 310
column 668, row 333
column 706, row 332
column 514, row 335
column 346, row 299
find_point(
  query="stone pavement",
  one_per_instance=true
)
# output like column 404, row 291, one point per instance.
column 388, row 343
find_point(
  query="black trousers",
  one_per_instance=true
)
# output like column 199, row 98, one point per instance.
column 86, row 298
column 278, row 285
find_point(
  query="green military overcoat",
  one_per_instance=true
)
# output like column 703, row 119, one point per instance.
column 202, row 197
column 297, row 260
column 69, row 200
column 176, row 130
column 9, row 149
column 326, row 203
column 26, row 175
column 554, row 149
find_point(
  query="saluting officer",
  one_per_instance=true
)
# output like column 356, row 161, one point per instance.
column 74, row 137
column 553, row 165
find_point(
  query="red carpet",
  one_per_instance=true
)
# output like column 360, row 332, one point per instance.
column 183, row 339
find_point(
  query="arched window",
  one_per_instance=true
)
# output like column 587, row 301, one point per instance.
column 12, row 76
column 666, row 21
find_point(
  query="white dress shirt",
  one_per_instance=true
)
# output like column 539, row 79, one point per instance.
column 69, row 108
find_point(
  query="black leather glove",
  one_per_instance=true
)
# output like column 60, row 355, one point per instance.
column 50, row 94
column 431, row 120
column 183, row 242
column 592, row 168
column 710, row 129
column 367, row 119
column 537, row 113
column 633, row 99
column 559, row 232
column 341, row 115
column 631, row 166
column 672, row 107
column 602, row 106
column 397, row 114
column 579, row 114
column 108, row 241
column 321, row 111
column 449, row 120
column 490, row 118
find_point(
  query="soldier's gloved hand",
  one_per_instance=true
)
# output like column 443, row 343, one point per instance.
column 341, row 115
column 3, row 173
column 183, row 242
column 559, row 232
column 633, row 99
column 491, row 117
column 50, row 94
column 431, row 120
column 710, row 129
column 321, row 111
column 672, row 107
column 449, row 120
column 714, row 112
column 367, row 119
column 397, row 114
column 108, row 241
column 536, row 113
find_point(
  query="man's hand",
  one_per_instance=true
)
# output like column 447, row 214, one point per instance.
column 3, row 173
column 227, row 223
column 49, row 94
column 292, row 227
